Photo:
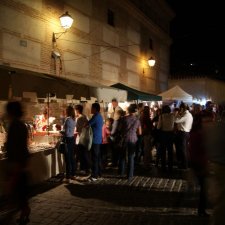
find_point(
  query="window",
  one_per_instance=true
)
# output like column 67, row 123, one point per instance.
column 150, row 44
column 111, row 18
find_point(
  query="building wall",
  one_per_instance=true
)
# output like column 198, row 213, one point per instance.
column 201, row 88
column 91, row 49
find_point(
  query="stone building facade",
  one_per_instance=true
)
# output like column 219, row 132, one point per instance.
column 110, row 41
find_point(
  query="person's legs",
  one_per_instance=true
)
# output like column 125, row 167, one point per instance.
column 70, row 156
column 95, row 155
column 122, row 161
column 138, row 149
column 79, row 153
column 22, row 190
column 130, row 169
column 115, row 154
column 169, row 148
column 183, row 140
column 147, row 150
column 104, row 148
column 178, row 144
column 87, row 160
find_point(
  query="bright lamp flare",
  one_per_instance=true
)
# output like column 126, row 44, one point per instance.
column 151, row 62
column 66, row 20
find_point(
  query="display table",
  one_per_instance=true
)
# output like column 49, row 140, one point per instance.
column 44, row 163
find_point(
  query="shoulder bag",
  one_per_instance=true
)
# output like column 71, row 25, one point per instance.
column 86, row 137
column 61, row 145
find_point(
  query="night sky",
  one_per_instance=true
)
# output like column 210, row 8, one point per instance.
column 198, row 40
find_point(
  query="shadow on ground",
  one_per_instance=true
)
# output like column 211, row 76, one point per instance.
column 129, row 196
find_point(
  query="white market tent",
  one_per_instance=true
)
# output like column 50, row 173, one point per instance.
column 106, row 94
column 176, row 93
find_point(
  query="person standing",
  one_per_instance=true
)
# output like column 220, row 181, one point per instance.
column 140, row 142
column 68, row 130
column 115, row 107
column 114, row 113
column 199, row 160
column 146, row 125
column 106, row 141
column 83, row 153
column 96, row 123
column 166, row 124
column 214, row 143
column 17, row 160
column 184, row 122
column 115, row 135
column 132, row 128
column 156, row 136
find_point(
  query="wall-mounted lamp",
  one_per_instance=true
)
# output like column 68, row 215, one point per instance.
column 151, row 62
column 66, row 22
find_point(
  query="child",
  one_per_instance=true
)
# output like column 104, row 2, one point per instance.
column 106, row 131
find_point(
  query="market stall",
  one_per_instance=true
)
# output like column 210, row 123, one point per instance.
column 136, row 95
column 44, row 99
column 176, row 93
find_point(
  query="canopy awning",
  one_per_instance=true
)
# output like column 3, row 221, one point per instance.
column 102, row 92
column 176, row 93
column 133, row 94
column 27, row 81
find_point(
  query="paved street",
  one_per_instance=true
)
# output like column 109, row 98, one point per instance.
column 154, row 199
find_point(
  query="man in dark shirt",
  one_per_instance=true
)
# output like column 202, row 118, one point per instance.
column 96, row 123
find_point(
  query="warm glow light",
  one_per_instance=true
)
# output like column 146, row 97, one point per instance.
column 66, row 20
column 151, row 62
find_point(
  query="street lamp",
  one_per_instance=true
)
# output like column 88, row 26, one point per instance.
column 66, row 22
column 151, row 62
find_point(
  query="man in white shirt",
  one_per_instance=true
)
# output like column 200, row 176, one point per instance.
column 115, row 107
column 184, row 122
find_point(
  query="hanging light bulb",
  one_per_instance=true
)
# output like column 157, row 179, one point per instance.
column 66, row 20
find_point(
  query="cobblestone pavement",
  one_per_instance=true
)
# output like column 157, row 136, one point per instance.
column 154, row 199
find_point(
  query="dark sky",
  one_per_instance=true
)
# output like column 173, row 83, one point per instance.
column 198, row 39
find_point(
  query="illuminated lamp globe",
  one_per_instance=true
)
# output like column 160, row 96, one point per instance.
column 151, row 62
column 66, row 20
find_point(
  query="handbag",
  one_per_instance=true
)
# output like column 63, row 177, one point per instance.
column 86, row 137
column 62, row 147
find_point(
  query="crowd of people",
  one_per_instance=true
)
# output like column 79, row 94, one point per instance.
column 125, row 139
column 129, row 138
